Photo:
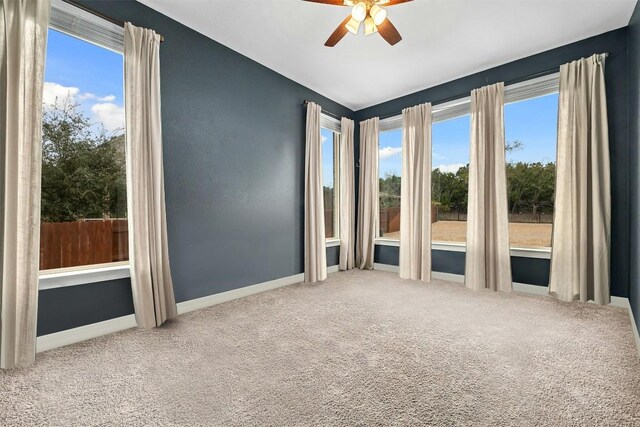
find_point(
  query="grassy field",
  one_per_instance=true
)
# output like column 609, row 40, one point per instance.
column 522, row 235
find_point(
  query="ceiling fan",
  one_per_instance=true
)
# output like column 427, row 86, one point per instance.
column 371, row 12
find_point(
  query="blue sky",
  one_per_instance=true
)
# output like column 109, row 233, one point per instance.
column 327, row 157
column 93, row 76
column 533, row 122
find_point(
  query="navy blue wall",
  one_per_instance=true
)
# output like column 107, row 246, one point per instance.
column 234, row 135
column 532, row 271
column 73, row 306
column 634, row 159
column 536, row 271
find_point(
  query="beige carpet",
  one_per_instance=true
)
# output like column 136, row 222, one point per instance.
column 362, row 348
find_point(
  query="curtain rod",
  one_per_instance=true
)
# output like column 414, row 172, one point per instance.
column 328, row 113
column 98, row 14
column 510, row 82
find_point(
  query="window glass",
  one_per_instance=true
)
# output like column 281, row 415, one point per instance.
column 84, row 210
column 450, row 179
column 330, row 141
column 531, row 136
column 389, row 170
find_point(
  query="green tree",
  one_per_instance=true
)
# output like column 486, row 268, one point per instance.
column 83, row 167
column 515, row 145
column 389, row 192
column 531, row 187
column 449, row 190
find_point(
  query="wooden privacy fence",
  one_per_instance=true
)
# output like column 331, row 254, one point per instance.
column 70, row 244
column 328, row 223
column 390, row 219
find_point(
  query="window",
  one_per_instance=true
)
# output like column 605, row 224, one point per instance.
column 531, row 109
column 531, row 135
column 330, row 180
column 84, row 201
column 390, row 176
column 450, row 179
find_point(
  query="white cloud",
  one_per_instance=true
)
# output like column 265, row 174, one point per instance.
column 386, row 152
column 55, row 94
column 85, row 96
column 453, row 168
column 105, row 111
column 324, row 139
column 111, row 115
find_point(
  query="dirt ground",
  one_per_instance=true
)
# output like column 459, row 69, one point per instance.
column 521, row 235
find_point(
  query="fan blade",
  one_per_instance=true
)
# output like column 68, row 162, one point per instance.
column 389, row 32
column 329, row 2
column 338, row 34
column 394, row 2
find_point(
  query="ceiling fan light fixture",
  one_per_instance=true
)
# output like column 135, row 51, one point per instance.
column 353, row 26
column 378, row 14
column 369, row 26
column 359, row 11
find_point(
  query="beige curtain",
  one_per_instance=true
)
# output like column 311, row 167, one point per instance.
column 150, row 272
column 315, row 248
column 415, row 200
column 23, row 40
column 368, row 193
column 488, row 264
column 347, row 196
column 582, row 220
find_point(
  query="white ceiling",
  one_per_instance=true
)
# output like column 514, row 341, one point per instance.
column 442, row 39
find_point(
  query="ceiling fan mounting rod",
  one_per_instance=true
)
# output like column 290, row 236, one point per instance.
column 368, row 2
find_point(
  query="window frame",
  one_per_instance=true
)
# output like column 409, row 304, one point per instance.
column 80, row 23
column 524, row 95
column 440, row 245
column 516, row 92
column 334, row 125
column 77, row 22
column 386, row 125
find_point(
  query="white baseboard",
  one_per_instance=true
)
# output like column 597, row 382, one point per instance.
column 333, row 269
column 635, row 330
column 450, row 277
column 208, row 301
column 522, row 288
column 94, row 330
column 386, row 267
column 83, row 333
column 526, row 288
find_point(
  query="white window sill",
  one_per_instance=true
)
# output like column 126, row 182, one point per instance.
column 451, row 247
column 381, row 241
column 332, row 242
column 62, row 277
column 542, row 253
